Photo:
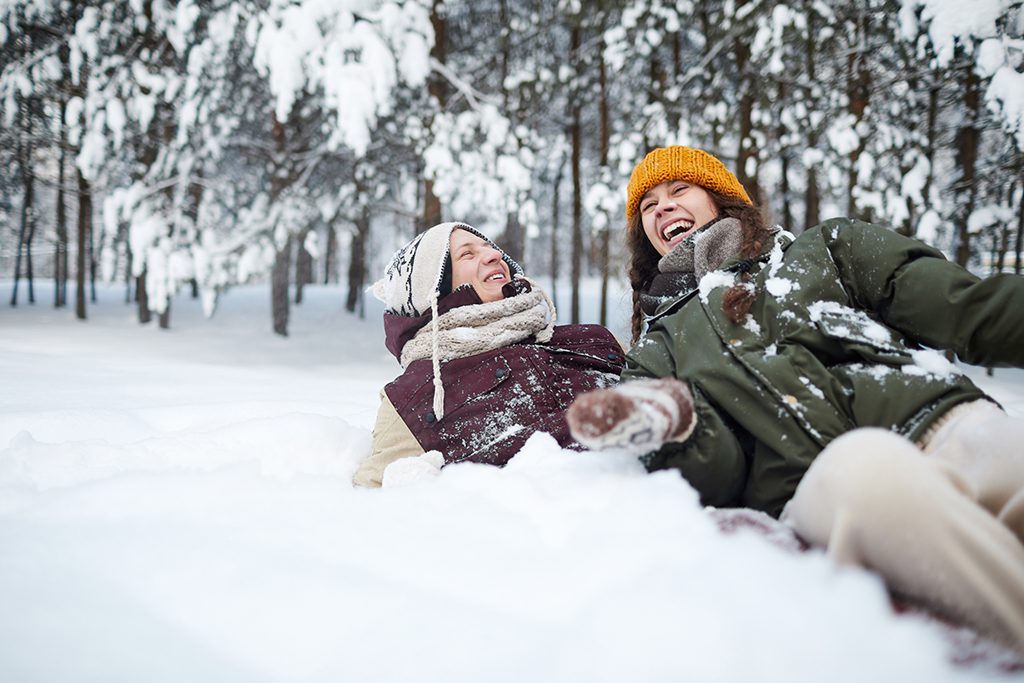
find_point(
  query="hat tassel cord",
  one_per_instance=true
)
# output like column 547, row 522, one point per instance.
column 435, row 360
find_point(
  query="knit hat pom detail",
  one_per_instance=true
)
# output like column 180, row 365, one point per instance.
column 681, row 163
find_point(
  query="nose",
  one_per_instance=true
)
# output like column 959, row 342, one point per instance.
column 491, row 255
column 664, row 206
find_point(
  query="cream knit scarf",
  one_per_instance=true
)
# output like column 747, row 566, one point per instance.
column 476, row 328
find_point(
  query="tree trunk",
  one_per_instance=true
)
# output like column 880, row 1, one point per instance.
column 281, row 271
column 858, row 93
column 784, row 162
column 812, row 196
column 707, row 28
column 1019, row 245
column 576, row 258
column 60, row 262
column 303, row 267
column 330, row 256
column 27, row 208
column 60, row 259
column 279, row 287
column 128, row 274
column 787, row 203
column 746, row 153
column 576, row 265
column 431, row 205
column 604, row 131
column 357, row 264
column 92, row 255
column 967, row 141
column 29, row 275
column 437, row 88
column 930, row 145
column 84, row 225
column 555, row 232
column 191, row 212
column 513, row 240
column 142, row 298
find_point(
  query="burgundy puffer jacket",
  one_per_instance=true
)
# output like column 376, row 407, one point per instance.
column 494, row 401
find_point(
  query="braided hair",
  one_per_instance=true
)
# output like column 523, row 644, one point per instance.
column 643, row 263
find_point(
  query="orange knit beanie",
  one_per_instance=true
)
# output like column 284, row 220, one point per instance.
column 681, row 163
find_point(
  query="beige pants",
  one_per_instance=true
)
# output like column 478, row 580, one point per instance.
column 945, row 526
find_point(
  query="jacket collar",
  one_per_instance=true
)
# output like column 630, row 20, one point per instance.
column 734, row 264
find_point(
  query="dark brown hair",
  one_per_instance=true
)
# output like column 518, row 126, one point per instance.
column 643, row 262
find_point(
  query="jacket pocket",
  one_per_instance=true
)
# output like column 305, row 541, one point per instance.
column 861, row 334
column 473, row 381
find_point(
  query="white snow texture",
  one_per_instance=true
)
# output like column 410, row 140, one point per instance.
column 176, row 506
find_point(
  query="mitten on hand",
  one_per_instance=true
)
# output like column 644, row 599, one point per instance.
column 637, row 417
column 405, row 471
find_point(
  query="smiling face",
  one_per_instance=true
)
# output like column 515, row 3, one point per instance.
column 476, row 262
column 674, row 210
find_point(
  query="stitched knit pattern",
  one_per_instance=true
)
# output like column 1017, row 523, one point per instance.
column 636, row 417
column 716, row 245
column 681, row 163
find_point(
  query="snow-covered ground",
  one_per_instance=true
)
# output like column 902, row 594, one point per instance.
column 175, row 506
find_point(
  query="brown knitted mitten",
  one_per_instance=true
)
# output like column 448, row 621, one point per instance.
column 637, row 417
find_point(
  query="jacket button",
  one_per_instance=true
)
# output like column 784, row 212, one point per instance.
column 612, row 356
column 500, row 373
column 790, row 399
column 429, row 417
column 735, row 342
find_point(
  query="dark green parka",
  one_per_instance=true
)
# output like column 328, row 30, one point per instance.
column 832, row 342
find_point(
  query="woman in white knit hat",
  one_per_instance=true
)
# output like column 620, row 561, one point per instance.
column 485, row 366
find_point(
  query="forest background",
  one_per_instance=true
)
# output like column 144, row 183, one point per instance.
column 202, row 145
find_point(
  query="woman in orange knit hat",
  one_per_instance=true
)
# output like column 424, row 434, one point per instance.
column 798, row 377
column 674, row 195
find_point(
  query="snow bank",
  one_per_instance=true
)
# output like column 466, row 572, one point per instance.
column 169, row 515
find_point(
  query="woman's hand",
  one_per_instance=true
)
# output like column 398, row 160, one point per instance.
column 637, row 417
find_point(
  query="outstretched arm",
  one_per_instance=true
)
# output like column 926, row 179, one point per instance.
column 914, row 289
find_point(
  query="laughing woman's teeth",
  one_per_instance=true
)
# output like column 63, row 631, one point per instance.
column 677, row 228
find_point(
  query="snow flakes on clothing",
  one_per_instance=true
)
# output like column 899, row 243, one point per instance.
column 811, row 388
column 841, row 321
column 930, row 362
column 780, row 287
column 714, row 280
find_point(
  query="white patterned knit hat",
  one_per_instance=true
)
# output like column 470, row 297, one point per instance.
column 415, row 273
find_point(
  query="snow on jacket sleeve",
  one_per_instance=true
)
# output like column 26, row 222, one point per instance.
column 931, row 300
column 391, row 440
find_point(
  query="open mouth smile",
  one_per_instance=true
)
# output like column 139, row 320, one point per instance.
column 677, row 228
